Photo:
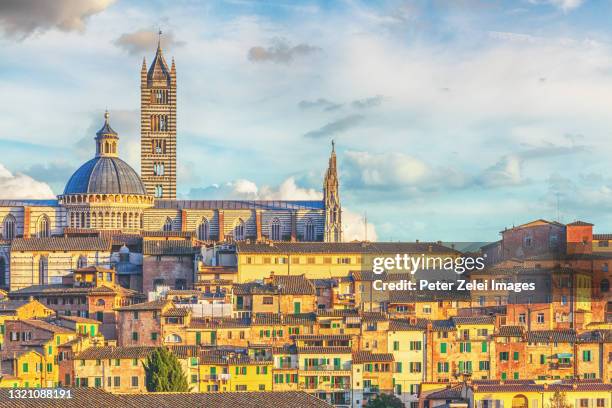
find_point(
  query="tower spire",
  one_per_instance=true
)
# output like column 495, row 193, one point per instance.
column 331, row 201
column 159, row 34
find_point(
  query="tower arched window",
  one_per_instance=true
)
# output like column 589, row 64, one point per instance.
column 43, row 227
column 203, row 232
column 275, row 230
column 159, row 191
column 43, row 272
column 9, row 227
column 168, row 225
column 309, row 230
column 3, row 271
column 239, row 230
column 125, row 220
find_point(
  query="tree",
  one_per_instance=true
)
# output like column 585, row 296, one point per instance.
column 164, row 372
column 559, row 400
column 385, row 401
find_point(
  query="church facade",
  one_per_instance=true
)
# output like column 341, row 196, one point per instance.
column 106, row 194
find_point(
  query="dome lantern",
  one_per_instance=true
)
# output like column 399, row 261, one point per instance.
column 107, row 140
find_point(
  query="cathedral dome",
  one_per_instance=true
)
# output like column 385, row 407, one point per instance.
column 106, row 173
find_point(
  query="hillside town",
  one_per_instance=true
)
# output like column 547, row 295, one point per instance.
column 264, row 300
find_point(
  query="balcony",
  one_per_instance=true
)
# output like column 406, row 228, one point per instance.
column 286, row 365
column 324, row 367
column 216, row 377
column 560, row 366
column 327, row 387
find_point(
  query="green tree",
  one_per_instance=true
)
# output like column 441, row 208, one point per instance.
column 385, row 401
column 559, row 400
column 164, row 372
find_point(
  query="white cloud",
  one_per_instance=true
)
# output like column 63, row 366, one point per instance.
column 16, row 186
column 354, row 227
column 143, row 41
column 365, row 169
column 565, row 5
column 506, row 172
column 21, row 18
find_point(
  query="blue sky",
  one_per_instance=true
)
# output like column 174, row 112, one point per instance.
column 453, row 119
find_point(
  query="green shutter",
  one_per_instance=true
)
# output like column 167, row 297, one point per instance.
column 442, row 347
column 484, row 346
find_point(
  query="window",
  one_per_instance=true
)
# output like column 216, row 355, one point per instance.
column 415, row 367
column 604, row 286
column 203, row 232
column 522, row 318
column 268, row 300
column 586, row 355
column 601, row 402
column 42, row 228
column 395, row 345
column 442, row 347
column 275, row 230
column 173, row 338
column 167, row 224
column 604, row 267
column 135, row 336
column 159, row 146
column 309, row 230
column 134, row 381
column 9, row 227
column 158, row 169
column 584, row 403
column 540, row 318
column 504, row 356
column 117, row 381
column 515, row 356
column 528, row 241
column 239, row 230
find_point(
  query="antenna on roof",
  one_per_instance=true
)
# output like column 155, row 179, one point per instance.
column 365, row 225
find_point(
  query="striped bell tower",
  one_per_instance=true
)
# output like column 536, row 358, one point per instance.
column 158, row 126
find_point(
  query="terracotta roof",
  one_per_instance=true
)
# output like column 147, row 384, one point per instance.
column 595, row 336
column 96, row 398
column 264, row 319
column 322, row 337
column 167, row 234
column 407, row 325
column 185, row 351
column 545, row 336
column 411, row 296
column 78, row 319
column 169, row 247
column 338, row 313
column 176, row 312
column 443, row 325
column 476, row 320
column 218, row 356
column 153, row 305
column 510, row 331
column 579, row 224
column 602, row 237
column 101, row 353
column 62, row 244
column 449, row 393
column 343, row 247
column 324, row 350
column 43, row 325
column 369, row 357
column 220, row 323
column 293, row 285
column 373, row 316
column 11, row 305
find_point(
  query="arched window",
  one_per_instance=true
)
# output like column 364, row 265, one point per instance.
column 309, row 230
column 9, row 227
column 239, row 230
column 159, row 191
column 82, row 262
column 604, row 286
column 42, row 229
column 168, row 225
column 275, row 230
column 173, row 338
column 100, row 302
column 2, row 271
column 43, row 264
column 203, row 232
column 125, row 220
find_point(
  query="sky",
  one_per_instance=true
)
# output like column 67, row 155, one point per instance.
column 452, row 119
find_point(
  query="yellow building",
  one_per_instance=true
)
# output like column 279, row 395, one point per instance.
column 407, row 342
column 23, row 369
column 531, row 395
column 20, row 310
column 323, row 260
column 473, row 351
column 372, row 375
column 225, row 371
column 325, row 371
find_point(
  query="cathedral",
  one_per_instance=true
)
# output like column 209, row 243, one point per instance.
column 106, row 194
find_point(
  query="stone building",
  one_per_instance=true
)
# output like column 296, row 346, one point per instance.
column 106, row 194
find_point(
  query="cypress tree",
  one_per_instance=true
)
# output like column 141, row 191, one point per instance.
column 164, row 372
